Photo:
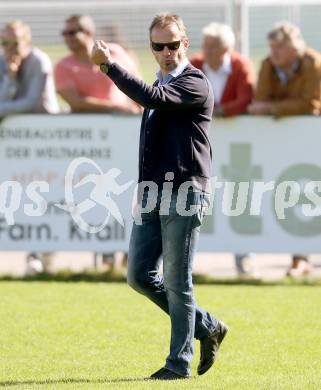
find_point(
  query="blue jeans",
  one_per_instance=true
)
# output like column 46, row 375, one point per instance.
column 174, row 237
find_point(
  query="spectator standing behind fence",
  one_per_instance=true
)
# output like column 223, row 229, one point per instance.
column 289, row 78
column 26, row 75
column 289, row 83
column 80, row 82
column 232, row 77
column 231, row 74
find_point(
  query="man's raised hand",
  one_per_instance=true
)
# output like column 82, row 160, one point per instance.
column 100, row 53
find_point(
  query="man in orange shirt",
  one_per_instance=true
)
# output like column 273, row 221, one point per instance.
column 81, row 83
column 289, row 81
column 230, row 74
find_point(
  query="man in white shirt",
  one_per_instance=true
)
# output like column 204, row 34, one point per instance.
column 231, row 74
column 219, row 76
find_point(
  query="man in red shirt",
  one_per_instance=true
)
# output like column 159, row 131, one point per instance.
column 80, row 82
column 230, row 74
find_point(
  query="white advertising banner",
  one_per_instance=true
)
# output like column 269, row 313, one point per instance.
column 58, row 173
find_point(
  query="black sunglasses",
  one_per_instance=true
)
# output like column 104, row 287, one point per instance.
column 5, row 43
column 71, row 33
column 170, row 45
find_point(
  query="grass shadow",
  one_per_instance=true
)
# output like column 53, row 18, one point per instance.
column 69, row 381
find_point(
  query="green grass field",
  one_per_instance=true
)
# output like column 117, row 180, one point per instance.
column 106, row 336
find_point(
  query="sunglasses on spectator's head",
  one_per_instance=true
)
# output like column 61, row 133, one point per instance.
column 6, row 43
column 71, row 33
column 170, row 45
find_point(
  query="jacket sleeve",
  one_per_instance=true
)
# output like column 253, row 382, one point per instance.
column 28, row 102
column 36, row 84
column 263, row 87
column 308, row 102
column 244, row 92
column 8, row 88
column 183, row 92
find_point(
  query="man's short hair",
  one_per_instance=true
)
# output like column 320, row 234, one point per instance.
column 222, row 32
column 85, row 22
column 289, row 34
column 165, row 19
column 19, row 25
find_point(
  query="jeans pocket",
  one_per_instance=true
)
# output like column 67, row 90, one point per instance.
column 200, row 213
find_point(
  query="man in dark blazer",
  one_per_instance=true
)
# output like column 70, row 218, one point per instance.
column 175, row 159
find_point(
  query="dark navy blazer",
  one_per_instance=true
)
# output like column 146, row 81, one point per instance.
column 174, row 137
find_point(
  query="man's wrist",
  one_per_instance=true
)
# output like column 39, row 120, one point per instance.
column 104, row 67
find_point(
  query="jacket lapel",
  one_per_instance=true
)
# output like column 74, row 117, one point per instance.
column 147, row 110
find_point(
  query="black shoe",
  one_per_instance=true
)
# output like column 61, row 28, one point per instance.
column 210, row 346
column 166, row 374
